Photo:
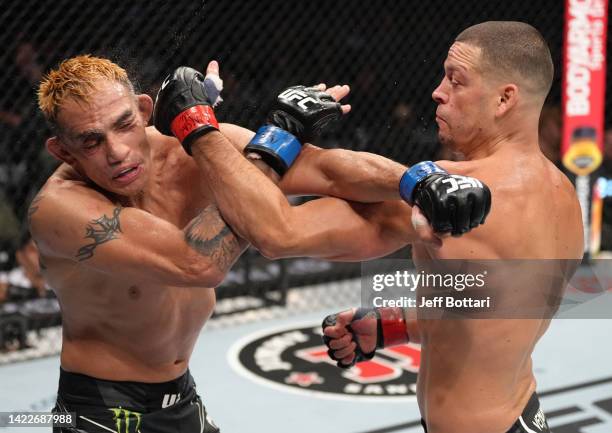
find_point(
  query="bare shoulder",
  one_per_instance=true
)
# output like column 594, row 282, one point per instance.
column 534, row 210
column 160, row 142
column 516, row 174
column 63, row 195
column 169, row 156
column 66, row 187
column 464, row 168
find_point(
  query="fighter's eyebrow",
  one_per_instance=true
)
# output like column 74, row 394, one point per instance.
column 91, row 133
column 452, row 67
column 96, row 133
column 123, row 118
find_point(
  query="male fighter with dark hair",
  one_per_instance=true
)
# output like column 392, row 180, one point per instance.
column 476, row 376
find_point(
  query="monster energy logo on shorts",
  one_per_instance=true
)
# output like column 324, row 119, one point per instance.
column 127, row 418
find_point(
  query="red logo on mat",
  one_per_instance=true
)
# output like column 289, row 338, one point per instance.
column 297, row 358
column 304, row 379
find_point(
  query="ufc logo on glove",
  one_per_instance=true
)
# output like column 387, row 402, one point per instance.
column 297, row 95
column 458, row 182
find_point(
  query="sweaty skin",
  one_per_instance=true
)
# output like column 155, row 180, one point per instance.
column 134, row 304
column 132, row 245
column 476, row 374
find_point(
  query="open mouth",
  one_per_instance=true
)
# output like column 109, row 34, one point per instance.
column 127, row 174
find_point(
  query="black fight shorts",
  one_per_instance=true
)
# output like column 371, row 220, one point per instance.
column 104, row 406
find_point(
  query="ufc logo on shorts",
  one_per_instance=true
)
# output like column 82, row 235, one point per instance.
column 170, row 399
column 297, row 95
column 539, row 420
column 460, row 182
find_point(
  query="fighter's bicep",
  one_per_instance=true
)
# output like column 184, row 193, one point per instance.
column 71, row 225
column 361, row 229
column 107, row 237
column 392, row 222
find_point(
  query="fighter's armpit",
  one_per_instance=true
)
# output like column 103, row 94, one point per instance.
column 100, row 230
column 210, row 236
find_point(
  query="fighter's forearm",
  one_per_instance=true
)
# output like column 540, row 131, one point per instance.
column 361, row 176
column 259, row 212
column 357, row 176
column 250, row 202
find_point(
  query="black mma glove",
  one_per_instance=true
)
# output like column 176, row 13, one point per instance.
column 298, row 116
column 452, row 203
column 370, row 329
column 183, row 106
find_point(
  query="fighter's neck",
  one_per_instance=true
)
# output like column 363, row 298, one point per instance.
column 522, row 141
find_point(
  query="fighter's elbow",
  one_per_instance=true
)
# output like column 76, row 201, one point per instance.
column 276, row 243
column 202, row 273
column 271, row 252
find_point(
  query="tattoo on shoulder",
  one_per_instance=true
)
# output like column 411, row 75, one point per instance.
column 34, row 207
column 210, row 236
column 101, row 230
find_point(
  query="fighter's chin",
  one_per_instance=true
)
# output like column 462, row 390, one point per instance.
column 446, row 139
column 131, row 190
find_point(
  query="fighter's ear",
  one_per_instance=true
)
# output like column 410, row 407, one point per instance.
column 145, row 106
column 58, row 150
column 507, row 98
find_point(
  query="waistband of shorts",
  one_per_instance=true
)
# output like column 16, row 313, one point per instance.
column 529, row 413
column 532, row 418
column 80, row 389
column 532, row 406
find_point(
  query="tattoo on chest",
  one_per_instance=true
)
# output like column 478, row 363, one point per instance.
column 33, row 207
column 102, row 230
column 210, row 236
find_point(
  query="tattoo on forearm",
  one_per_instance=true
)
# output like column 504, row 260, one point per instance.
column 210, row 236
column 102, row 230
column 33, row 207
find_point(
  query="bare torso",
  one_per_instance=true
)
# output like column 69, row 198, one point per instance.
column 476, row 375
column 120, row 328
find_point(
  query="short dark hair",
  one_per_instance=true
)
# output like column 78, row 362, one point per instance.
column 513, row 47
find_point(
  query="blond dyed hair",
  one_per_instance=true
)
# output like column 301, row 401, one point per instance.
column 76, row 78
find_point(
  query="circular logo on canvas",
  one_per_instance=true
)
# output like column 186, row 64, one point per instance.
column 295, row 359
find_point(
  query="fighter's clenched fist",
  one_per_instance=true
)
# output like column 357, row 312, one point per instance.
column 354, row 335
column 184, row 105
column 452, row 203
